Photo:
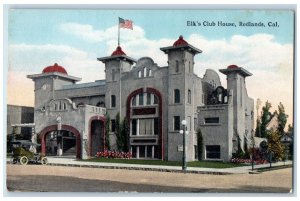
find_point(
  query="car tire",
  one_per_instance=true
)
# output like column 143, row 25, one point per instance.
column 44, row 161
column 13, row 160
column 23, row 160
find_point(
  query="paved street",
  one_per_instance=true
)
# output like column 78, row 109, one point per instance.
column 78, row 179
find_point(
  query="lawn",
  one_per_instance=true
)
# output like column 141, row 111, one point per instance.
column 203, row 164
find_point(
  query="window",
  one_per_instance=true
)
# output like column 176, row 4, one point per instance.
column 213, row 151
column 189, row 66
column 134, row 127
column 113, row 125
column 145, row 71
column 156, row 126
column 195, row 124
column 150, row 72
column 155, row 101
column 113, row 101
column 196, row 151
column 113, row 74
column 140, row 74
column 176, row 96
column 142, row 151
column 148, row 99
column 177, row 66
column 146, row 126
column 133, row 151
column 189, row 96
column 211, row 120
column 141, row 99
column 176, row 123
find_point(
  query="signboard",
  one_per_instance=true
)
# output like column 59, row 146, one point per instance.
column 179, row 148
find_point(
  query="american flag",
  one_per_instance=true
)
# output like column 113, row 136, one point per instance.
column 127, row 24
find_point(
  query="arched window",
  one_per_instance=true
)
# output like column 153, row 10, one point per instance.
column 140, row 74
column 113, row 101
column 176, row 96
column 189, row 96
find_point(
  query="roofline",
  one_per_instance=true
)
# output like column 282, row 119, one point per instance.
column 238, row 70
column 34, row 76
column 191, row 48
column 104, row 59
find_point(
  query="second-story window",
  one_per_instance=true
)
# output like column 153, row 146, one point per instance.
column 113, row 101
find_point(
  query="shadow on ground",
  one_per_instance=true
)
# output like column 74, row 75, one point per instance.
column 72, row 184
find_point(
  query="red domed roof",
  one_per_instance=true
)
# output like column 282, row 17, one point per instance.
column 55, row 68
column 180, row 41
column 232, row 66
column 118, row 52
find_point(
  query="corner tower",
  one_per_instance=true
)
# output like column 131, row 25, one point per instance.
column 236, row 82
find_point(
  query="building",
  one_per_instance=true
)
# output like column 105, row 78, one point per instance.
column 17, row 115
column 70, row 118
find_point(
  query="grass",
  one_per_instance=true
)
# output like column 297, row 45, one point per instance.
column 203, row 164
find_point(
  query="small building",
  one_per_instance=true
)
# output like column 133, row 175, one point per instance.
column 70, row 118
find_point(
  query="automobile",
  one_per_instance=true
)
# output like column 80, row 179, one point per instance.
column 23, row 155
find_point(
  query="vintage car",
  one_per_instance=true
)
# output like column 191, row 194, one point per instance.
column 22, row 153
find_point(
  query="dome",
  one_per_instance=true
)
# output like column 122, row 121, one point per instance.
column 232, row 66
column 118, row 52
column 55, row 68
column 180, row 41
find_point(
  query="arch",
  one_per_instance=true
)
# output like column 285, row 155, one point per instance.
column 48, row 129
column 102, row 119
column 158, row 94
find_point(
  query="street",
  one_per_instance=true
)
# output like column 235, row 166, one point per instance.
column 38, row 178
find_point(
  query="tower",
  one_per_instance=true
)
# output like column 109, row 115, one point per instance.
column 115, row 65
column 236, row 82
column 180, row 96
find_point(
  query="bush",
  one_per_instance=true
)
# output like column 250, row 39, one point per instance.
column 113, row 154
column 258, row 157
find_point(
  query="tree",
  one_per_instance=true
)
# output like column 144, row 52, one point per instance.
column 274, row 144
column 282, row 119
column 199, row 144
column 107, row 130
column 265, row 119
column 118, row 133
column 125, row 135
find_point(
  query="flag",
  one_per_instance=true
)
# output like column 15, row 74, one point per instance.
column 127, row 24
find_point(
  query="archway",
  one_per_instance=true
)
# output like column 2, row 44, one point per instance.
column 69, row 135
column 96, row 135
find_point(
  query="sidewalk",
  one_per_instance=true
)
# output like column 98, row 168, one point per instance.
column 58, row 161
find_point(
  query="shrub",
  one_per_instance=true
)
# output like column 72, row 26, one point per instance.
column 113, row 154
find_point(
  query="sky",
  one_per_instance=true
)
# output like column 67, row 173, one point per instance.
column 75, row 38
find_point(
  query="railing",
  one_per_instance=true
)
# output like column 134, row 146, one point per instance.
column 96, row 110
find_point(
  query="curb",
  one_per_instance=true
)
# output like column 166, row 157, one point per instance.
column 144, row 169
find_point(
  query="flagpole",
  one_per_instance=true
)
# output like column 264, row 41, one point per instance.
column 119, row 32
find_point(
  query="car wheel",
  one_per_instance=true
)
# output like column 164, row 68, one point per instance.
column 44, row 161
column 23, row 160
column 13, row 160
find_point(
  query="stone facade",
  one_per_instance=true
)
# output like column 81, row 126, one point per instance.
column 154, row 100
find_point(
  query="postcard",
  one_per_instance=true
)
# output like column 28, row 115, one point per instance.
column 150, row 100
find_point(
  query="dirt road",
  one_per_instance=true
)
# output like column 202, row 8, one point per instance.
column 73, row 179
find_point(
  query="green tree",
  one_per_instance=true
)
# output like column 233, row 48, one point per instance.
column 282, row 119
column 274, row 144
column 107, row 130
column 118, row 133
column 266, row 117
column 125, row 135
column 199, row 144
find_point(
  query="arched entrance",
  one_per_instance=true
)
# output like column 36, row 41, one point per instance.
column 66, row 141
column 96, row 135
